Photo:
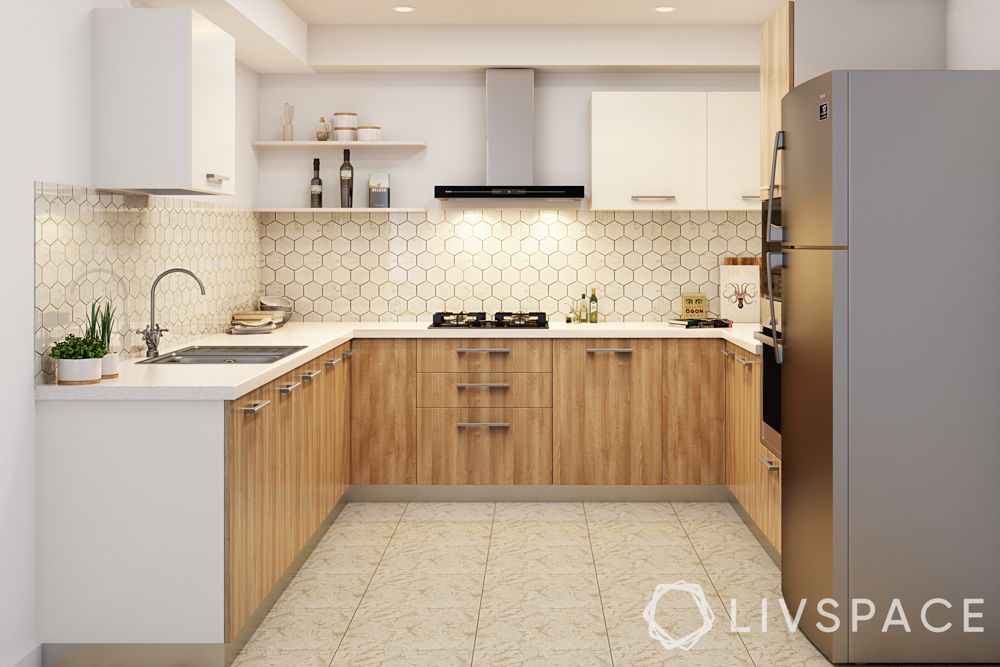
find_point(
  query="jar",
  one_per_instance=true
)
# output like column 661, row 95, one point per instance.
column 369, row 133
column 323, row 129
column 345, row 119
column 345, row 134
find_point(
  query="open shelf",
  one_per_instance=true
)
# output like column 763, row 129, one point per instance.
column 340, row 210
column 339, row 144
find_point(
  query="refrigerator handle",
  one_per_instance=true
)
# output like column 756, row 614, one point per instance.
column 773, row 233
column 773, row 260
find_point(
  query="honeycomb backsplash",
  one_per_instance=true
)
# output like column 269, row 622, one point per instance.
column 92, row 244
column 404, row 267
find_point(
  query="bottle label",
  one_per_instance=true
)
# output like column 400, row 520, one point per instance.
column 315, row 189
column 346, row 174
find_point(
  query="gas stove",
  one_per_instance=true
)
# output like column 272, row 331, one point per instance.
column 501, row 320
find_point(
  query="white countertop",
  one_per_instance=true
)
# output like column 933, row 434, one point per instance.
column 140, row 382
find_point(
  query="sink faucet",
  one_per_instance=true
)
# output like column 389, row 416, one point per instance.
column 152, row 333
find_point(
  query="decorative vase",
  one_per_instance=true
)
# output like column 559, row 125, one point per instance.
column 78, row 371
column 109, row 366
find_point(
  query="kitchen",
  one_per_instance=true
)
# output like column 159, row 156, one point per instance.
column 518, row 414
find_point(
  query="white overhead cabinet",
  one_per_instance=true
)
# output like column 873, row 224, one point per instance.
column 674, row 150
column 164, row 102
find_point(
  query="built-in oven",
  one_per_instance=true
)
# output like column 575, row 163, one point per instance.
column 770, row 406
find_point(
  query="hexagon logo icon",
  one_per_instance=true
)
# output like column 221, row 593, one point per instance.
column 687, row 642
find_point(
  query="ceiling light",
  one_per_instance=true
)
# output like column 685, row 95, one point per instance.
column 404, row 9
column 664, row 10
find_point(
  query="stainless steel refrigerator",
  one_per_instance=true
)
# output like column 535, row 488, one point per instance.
column 890, row 253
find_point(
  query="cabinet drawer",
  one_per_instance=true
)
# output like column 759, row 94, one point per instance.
column 484, row 446
column 472, row 355
column 484, row 390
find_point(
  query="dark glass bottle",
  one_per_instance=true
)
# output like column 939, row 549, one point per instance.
column 347, row 181
column 316, row 187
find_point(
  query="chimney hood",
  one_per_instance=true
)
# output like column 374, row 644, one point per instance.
column 510, row 144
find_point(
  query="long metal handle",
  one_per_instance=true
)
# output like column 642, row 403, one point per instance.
column 653, row 197
column 483, row 385
column 773, row 260
column 726, row 353
column 615, row 350
column 311, row 375
column 771, row 232
column 216, row 178
column 753, row 196
column 483, row 424
column 255, row 407
column 770, row 465
column 483, row 350
column 289, row 388
column 330, row 363
column 744, row 362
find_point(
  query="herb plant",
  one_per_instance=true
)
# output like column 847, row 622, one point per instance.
column 106, row 324
column 74, row 347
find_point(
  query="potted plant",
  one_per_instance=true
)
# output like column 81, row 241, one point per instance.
column 78, row 360
column 105, row 329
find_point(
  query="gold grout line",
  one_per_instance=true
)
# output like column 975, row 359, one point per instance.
column 597, row 577
column 482, row 592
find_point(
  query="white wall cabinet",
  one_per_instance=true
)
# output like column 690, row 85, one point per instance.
column 164, row 102
column 674, row 150
column 733, row 150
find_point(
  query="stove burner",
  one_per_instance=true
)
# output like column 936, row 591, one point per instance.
column 501, row 320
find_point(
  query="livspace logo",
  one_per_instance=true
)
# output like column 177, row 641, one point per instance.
column 932, row 616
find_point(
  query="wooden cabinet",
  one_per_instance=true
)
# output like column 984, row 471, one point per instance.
column 484, row 355
column 694, row 412
column 777, row 76
column 384, row 411
column 164, row 102
column 769, row 496
column 607, row 419
column 733, row 151
column 287, row 465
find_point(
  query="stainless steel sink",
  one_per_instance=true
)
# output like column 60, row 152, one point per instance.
column 225, row 354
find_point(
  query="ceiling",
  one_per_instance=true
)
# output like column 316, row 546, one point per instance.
column 535, row 12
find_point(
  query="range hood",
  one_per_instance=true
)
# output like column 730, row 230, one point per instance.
column 510, row 144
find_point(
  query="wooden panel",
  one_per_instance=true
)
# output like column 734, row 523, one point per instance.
column 777, row 75
column 769, row 498
column 732, row 391
column 607, row 414
column 449, row 454
column 290, row 463
column 510, row 355
column 747, row 469
column 383, row 411
column 341, row 423
column 694, row 412
column 313, row 493
column 523, row 390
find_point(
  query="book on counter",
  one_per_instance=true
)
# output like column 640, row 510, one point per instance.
column 711, row 323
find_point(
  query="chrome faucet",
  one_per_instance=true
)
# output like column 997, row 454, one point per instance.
column 152, row 333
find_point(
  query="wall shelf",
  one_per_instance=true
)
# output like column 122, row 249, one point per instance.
column 340, row 210
column 339, row 144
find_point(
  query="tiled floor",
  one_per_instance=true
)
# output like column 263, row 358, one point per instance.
column 526, row 584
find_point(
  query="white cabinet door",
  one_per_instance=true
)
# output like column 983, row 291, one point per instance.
column 733, row 151
column 213, row 107
column 648, row 150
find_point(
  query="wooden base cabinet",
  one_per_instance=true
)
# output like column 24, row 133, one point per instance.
column 694, row 412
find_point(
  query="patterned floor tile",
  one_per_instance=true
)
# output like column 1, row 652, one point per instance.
column 357, row 534
column 377, row 658
column 541, row 590
column 443, row 533
column 337, row 559
column 517, row 626
column 312, row 630
column 371, row 513
column 448, row 512
column 528, row 657
column 419, row 559
column 541, row 559
column 629, row 631
column 428, row 591
column 402, row 630
column 284, row 659
column 657, row 655
column 552, row 533
column 571, row 512
column 631, row 512
column 324, row 592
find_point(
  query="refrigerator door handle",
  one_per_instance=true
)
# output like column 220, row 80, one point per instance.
column 773, row 260
column 772, row 232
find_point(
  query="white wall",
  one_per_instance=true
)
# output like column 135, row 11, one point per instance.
column 868, row 34
column 973, row 27
column 448, row 111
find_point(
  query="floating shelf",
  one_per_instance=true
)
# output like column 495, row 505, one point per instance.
column 339, row 144
column 340, row 210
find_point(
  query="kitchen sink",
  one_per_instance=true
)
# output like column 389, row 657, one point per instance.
column 225, row 354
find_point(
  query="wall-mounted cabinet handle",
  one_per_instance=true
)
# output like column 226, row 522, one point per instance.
column 744, row 362
column 255, row 407
column 483, row 424
column 289, row 388
column 613, row 350
column 653, row 197
column 311, row 375
column 216, row 178
column 770, row 465
column 727, row 353
column 753, row 196
column 483, row 350
column 330, row 363
column 482, row 385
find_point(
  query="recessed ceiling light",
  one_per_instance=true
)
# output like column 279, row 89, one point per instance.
column 404, row 9
column 664, row 10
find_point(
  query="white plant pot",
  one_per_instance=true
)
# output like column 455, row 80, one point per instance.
column 78, row 371
column 109, row 366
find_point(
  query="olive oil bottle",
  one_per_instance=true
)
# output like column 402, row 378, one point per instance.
column 593, row 306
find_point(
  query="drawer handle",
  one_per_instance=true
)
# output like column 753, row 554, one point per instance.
column 653, row 197
column 744, row 362
column 755, row 197
column 483, row 350
column 289, row 388
column 614, row 350
column 483, row 385
column 727, row 353
column 218, row 179
column 770, row 465
column 347, row 354
column 483, row 424
column 255, row 407
column 311, row 375
column 330, row 363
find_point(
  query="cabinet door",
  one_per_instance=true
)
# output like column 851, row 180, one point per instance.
column 290, row 461
column 213, row 107
column 694, row 412
column 769, row 496
column 341, row 422
column 733, row 151
column 316, row 491
column 728, row 354
column 777, row 74
column 607, row 414
column 748, row 433
column 648, row 150
column 384, row 411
